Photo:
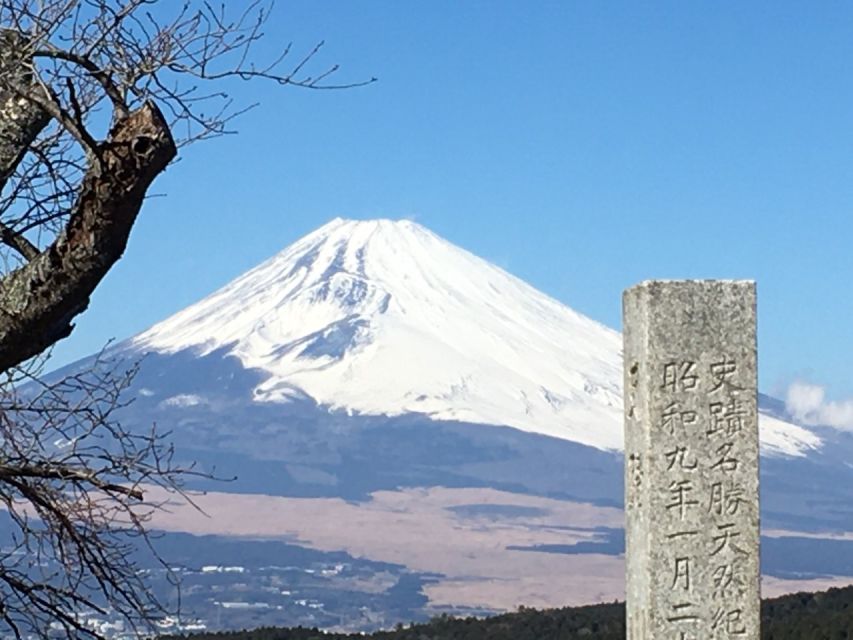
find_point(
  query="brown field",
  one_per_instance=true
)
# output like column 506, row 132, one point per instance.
column 423, row 530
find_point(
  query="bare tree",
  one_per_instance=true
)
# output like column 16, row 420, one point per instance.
column 96, row 99
column 74, row 485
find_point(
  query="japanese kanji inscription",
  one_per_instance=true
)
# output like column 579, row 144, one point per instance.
column 691, row 450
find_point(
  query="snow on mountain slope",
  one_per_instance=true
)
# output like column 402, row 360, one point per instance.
column 385, row 317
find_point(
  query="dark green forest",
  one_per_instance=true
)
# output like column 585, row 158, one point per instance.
column 827, row 615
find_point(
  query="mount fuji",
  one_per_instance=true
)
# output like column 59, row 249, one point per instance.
column 393, row 396
column 386, row 318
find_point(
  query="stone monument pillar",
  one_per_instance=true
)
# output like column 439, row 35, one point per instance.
column 691, row 461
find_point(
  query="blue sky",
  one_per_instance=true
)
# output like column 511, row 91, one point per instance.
column 581, row 146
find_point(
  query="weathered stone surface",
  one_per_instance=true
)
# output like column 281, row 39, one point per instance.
column 691, row 460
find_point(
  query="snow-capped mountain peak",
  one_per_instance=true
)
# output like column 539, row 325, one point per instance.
column 385, row 317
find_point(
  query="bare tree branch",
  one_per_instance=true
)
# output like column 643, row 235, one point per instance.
column 111, row 89
column 80, row 511
column 18, row 242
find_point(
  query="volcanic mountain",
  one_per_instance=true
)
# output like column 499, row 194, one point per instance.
column 380, row 391
column 385, row 318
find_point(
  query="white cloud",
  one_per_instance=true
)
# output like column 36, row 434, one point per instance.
column 808, row 404
column 804, row 399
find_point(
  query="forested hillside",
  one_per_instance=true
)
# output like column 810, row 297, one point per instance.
column 826, row 615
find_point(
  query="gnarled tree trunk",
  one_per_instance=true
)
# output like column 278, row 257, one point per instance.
column 39, row 300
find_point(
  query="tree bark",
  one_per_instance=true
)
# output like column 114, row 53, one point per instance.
column 39, row 300
column 21, row 120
